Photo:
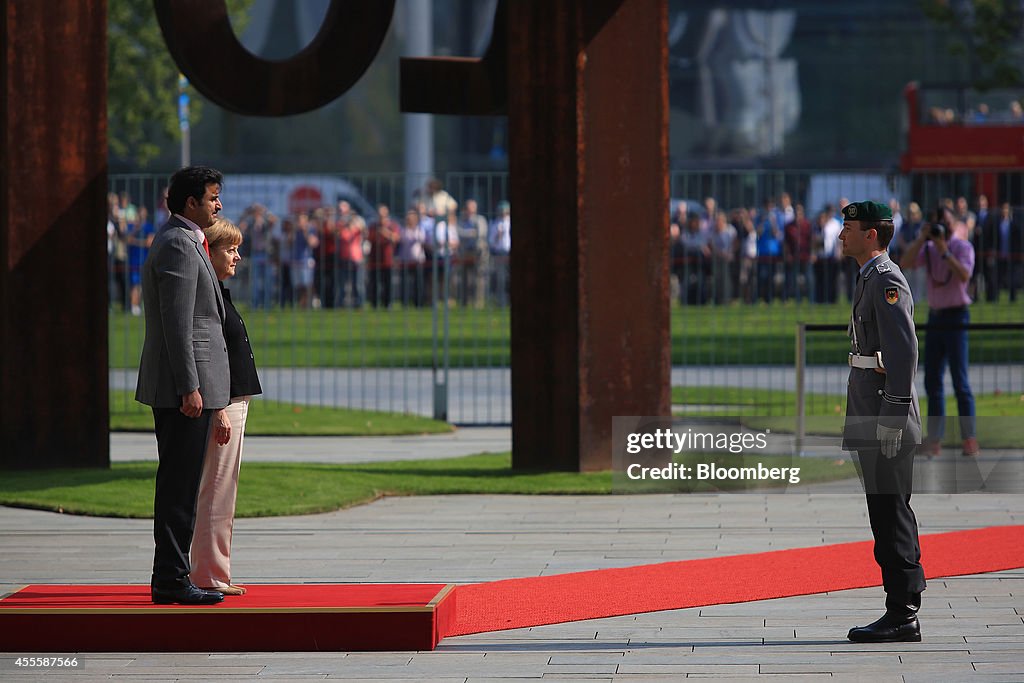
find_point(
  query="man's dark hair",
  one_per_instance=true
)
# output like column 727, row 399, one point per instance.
column 190, row 181
column 884, row 230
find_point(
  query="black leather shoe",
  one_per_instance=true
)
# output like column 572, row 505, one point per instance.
column 890, row 628
column 189, row 595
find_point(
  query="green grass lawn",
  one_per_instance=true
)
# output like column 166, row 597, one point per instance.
column 782, row 402
column 998, row 426
column 348, row 339
column 267, row 489
column 746, row 401
column 284, row 419
column 701, row 335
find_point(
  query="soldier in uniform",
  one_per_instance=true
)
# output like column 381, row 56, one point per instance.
column 883, row 422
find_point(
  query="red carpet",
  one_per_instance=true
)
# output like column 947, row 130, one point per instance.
column 348, row 617
column 535, row 601
column 307, row 617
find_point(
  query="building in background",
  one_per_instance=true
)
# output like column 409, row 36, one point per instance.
column 797, row 84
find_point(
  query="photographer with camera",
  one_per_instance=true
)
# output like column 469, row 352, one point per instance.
column 948, row 259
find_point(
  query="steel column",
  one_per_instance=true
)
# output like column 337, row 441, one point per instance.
column 53, row 283
column 588, row 134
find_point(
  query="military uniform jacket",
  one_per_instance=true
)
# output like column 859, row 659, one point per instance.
column 882, row 320
column 184, row 349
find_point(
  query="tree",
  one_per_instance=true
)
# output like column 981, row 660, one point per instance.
column 988, row 32
column 142, row 80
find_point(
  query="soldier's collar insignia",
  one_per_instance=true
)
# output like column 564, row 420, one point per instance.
column 892, row 295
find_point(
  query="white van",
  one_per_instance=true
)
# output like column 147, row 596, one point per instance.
column 827, row 188
column 287, row 195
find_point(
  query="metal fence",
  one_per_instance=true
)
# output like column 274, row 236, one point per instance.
column 340, row 315
column 997, row 368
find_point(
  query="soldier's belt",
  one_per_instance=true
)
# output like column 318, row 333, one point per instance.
column 866, row 362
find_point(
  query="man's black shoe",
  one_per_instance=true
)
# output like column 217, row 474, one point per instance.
column 889, row 629
column 189, row 595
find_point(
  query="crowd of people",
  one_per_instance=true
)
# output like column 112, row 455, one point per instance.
column 981, row 115
column 780, row 252
column 130, row 232
column 332, row 257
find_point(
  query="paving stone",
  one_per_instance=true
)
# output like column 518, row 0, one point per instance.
column 454, row 678
column 684, row 669
column 969, row 622
column 1016, row 667
column 534, row 679
column 869, row 667
column 973, row 677
column 613, row 658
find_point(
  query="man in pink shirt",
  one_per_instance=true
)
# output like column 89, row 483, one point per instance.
column 948, row 259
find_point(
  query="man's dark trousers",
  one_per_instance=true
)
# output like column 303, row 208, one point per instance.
column 888, row 484
column 181, row 444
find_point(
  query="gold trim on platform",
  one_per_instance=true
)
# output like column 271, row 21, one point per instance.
column 218, row 609
column 213, row 609
column 441, row 595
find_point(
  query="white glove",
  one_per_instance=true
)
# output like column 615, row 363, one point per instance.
column 891, row 439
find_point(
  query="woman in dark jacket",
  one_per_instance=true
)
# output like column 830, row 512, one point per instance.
column 215, row 511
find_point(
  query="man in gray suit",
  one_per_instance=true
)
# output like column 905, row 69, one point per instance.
column 883, row 422
column 184, row 374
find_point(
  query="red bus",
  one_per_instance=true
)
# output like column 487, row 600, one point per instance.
column 975, row 138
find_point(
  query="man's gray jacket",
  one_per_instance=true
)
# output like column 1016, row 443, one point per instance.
column 883, row 320
column 184, row 348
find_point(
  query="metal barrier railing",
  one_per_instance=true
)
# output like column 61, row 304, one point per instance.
column 987, row 372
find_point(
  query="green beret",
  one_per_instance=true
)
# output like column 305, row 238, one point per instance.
column 867, row 211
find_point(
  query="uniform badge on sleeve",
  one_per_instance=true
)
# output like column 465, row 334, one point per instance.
column 892, row 295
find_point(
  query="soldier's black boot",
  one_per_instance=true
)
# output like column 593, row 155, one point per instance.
column 898, row 625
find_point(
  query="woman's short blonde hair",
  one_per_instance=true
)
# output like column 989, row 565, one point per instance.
column 223, row 233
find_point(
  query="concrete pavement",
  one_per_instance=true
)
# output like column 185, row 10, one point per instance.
column 973, row 626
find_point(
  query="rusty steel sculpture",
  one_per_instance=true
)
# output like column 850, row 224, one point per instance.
column 53, row 283
column 584, row 86
column 199, row 36
column 586, row 94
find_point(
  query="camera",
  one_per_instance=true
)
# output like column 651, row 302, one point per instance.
column 936, row 231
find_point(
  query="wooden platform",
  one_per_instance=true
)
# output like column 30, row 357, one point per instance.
column 305, row 618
